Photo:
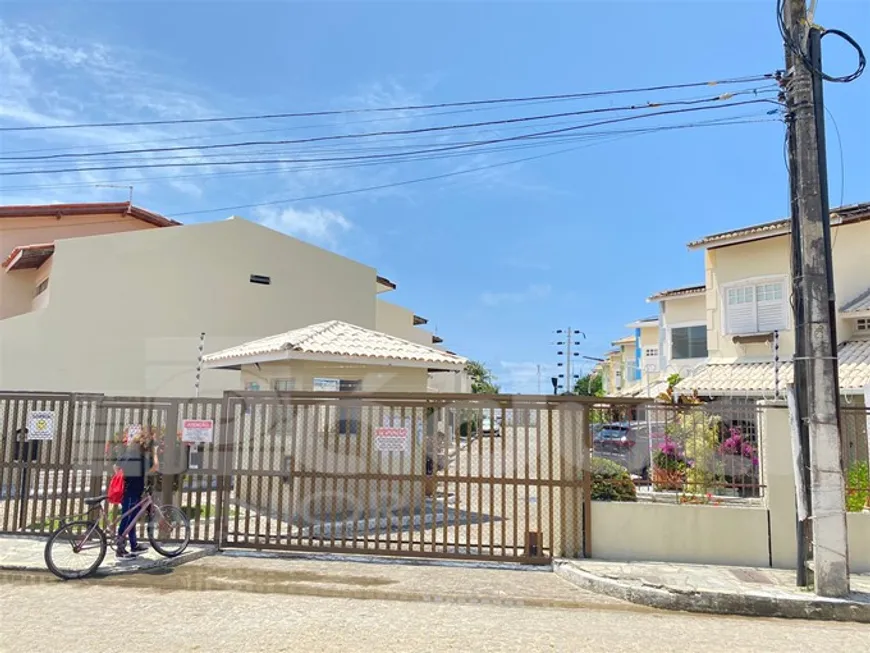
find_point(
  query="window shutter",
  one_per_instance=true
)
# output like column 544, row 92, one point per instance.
column 741, row 310
column 771, row 308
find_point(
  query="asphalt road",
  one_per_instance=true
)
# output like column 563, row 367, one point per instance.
column 259, row 604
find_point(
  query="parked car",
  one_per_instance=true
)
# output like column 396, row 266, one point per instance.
column 627, row 443
column 490, row 426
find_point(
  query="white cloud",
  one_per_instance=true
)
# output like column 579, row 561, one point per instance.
column 317, row 225
column 534, row 291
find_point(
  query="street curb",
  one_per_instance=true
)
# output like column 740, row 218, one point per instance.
column 710, row 602
column 148, row 565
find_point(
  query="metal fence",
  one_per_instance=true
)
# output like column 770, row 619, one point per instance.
column 699, row 453
column 434, row 475
column 854, row 427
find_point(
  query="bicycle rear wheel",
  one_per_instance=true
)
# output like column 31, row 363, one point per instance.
column 168, row 530
column 75, row 550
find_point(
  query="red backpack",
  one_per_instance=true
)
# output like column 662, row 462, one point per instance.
column 115, row 493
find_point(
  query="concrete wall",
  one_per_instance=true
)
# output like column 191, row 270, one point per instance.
column 126, row 309
column 16, row 232
column 674, row 533
column 725, row 535
column 779, row 477
column 399, row 321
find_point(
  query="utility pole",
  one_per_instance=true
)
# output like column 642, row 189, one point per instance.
column 569, row 355
column 825, row 536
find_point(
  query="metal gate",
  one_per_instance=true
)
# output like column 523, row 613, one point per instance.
column 57, row 449
column 455, row 476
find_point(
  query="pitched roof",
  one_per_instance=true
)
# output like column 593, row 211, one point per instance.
column 859, row 303
column 627, row 340
column 685, row 291
column 28, row 257
column 759, row 378
column 337, row 338
column 841, row 215
column 86, row 208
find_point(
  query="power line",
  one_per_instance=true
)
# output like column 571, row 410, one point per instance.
column 412, row 107
column 392, row 132
column 600, row 136
column 381, row 186
column 378, row 156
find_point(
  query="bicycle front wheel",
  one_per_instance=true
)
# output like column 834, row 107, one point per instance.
column 75, row 550
column 168, row 530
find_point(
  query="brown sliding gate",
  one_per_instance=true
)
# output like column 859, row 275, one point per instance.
column 422, row 475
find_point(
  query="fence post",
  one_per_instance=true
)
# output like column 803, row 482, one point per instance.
column 586, row 471
column 572, row 481
column 778, row 481
column 224, row 454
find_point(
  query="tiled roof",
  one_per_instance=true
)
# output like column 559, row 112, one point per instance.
column 759, row 378
column 336, row 338
column 86, row 208
column 840, row 215
column 685, row 291
column 859, row 303
column 627, row 340
column 28, row 257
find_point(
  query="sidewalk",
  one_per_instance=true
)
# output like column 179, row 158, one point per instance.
column 18, row 553
column 717, row 590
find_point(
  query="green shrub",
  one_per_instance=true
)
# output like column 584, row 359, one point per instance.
column 611, row 482
column 858, row 487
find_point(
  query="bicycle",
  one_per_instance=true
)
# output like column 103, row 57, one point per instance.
column 82, row 536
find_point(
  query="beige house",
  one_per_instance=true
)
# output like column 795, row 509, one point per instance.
column 335, row 356
column 99, row 298
column 749, row 332
column 343, row 358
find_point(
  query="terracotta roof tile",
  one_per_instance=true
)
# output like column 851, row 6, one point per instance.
column 685, row 291
column 337, row 338
column 759, row 378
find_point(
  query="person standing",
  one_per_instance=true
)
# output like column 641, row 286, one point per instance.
column 136, row 461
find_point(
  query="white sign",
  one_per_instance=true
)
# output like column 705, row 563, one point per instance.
column 133, row 431
column 40, row 425
column 198, row 431
column 391, row 439
column 327, row 385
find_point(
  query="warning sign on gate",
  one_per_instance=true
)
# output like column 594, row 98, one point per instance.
column 391, row 439
column 198, row 431
column 40, row 425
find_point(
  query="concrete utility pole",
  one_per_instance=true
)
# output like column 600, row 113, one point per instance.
column 569, row 356
column 815, row 355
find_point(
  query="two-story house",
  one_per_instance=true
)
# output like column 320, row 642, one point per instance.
column 108, row 298
column 750, row 337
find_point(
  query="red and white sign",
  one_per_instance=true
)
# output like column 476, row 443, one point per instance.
column 197, row 431
column 391, row 439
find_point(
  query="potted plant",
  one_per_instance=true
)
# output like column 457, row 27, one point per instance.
column 740, row 462
column 669, row 466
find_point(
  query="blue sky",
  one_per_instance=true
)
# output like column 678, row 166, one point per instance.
column 497, row 259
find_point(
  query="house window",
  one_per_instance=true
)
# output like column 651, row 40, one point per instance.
column 863, row 324
column 689, row 342
column 41, row 287
column 261, row 279
column 283, row 385
column 756, row 308
column 650, row 359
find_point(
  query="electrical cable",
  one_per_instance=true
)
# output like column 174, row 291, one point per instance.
column 600, row 136
column 378, row 187
column 394, row 132
column 795, row 48
column 417, row 107
column 364, row 157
